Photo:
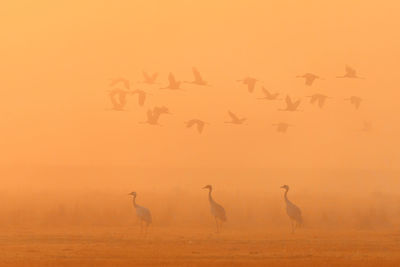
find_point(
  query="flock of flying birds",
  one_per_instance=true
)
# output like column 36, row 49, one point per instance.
column 118, row 97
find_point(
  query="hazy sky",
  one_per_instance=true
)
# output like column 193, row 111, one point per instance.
column 57, row 58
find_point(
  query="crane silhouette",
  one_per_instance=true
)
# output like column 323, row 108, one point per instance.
column 154, row 115
column 124, row 81
column 235, row 119
column 318, row 98
column 141, row 96
column 118, row 98
column 350, row 73
column 268, row 95
column 367, row 127
column 173, row 83
column 309, row 78
column 197, row 78
column 149, row 79
column 250, row 82
column 290, row 105
column 282, row 127
column 292, row 211
column 142, row 213
column 200, row 124
column 355, row 100
column 216, row 209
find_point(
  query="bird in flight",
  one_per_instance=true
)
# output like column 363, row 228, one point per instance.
column 350, row 73
column 118, row 98
column 320, row 98
column 268, row 95
column 116, row 81
column 197, row 78
column 141, row 96
column 355, row 100
column 290, row 105
column 309, row 78
column 250, row 82
column 149, row 79
column 173, row 83
column 282, row 127
column 154, row 115
column 200, row 124
column 235, row 119
column 367, row 126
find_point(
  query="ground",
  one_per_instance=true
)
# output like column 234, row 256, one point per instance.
column 201, row 247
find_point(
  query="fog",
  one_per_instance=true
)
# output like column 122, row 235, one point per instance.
column 69, row 160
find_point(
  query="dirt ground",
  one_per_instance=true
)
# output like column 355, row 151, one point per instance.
column 197, row 247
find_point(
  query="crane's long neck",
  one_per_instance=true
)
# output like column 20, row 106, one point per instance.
column 134, row 201
column 286, row 199
column 209, row 196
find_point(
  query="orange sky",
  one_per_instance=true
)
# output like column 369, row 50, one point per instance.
column 57, row 59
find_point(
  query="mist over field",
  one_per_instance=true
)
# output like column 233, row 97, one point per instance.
column 247, row 97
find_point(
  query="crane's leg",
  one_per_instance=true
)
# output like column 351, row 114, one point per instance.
column 216, row 222
column 291, row 222
column 141, row 226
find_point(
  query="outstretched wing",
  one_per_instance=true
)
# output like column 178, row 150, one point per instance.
column 200, row 126
column 350, row 71
column 197, row 76
column 190, row 123
column 233, row 116
column 171, row 79
column 142, row 98
column 266, row 92
column 154, row 77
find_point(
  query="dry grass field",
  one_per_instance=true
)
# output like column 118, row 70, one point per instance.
column 200, row 247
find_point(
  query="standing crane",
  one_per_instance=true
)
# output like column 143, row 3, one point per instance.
column 293, row 211
column 142, row 213
column 216, row 209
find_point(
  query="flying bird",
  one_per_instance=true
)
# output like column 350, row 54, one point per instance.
column 290, row 105
column 118, row 98
column 355, row 100
column 197, row 78
column 293, row 211
column 250, row 82
column 318, row 98
column 154, row 115
column 124, row 81
column 173, row 83
column 149, row 79
column 141, row 96
column 200, row 124
column 350, row 73
column 367, row 127
column 216, row 209
column 235, row 119
column 142, row 213
column 268, row 95
column 282, row 127
column 309, row 78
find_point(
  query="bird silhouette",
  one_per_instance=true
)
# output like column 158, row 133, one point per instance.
column 197, row 78
column 290, row 105
column 250, row 82
column 367, row 127
column 320, row 98
column 149, row 79
column 309, row 78
column 200, row 124
column 142, row 213
column 235, row 119
column 173, row 83
column 282, row 127
column 118, row 98
column 141, row 96
column 154, row 115
column 293, row 211
column 350, row 73
column 216, row 209
column 116, row 81
column 268, row 95
column 355, row 100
